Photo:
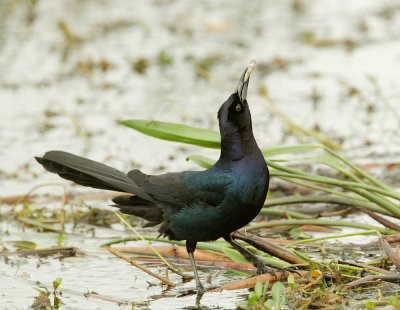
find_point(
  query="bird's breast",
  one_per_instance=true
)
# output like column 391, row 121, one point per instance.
column 250, row 182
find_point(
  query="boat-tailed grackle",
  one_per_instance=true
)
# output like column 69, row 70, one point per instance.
column 190, row 205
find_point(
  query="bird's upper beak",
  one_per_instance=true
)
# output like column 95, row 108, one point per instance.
column 241, row 88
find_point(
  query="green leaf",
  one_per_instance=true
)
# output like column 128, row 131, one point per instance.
column 276, row 293
column 269, row 304
column 60, row 239
column 202, row 161
column 297, row 233
column 23, row 245
column 234, row 255
column 253, row 298
column 329, row 161
column 290, row 281
column 258, row 289
column 175, row 132
column 394, row 301
column 242, row 304
column 369, row 304
column 268, row 152
column 38, row 224
column 57, row 283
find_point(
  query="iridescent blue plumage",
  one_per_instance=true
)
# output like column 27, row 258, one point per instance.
column 190, row 205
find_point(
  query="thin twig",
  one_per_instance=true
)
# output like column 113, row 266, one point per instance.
column 373, row 279
column 149, row 244
column 251, row 282
column 381, row 220
column 393, row 238
column 367, row 232
column 270, row 248
column 132, row 262
column 13, row 200
column 63, row 251
column 394, row 258
column 368, row 267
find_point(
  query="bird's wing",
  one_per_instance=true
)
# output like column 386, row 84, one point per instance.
column 183, row 188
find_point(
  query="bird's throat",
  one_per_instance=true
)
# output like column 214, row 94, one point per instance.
column 238, row 145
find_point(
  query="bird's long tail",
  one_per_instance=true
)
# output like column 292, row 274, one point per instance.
column 87, row 172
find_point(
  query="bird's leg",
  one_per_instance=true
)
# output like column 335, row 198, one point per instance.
column 190, row 247
column 260, row 264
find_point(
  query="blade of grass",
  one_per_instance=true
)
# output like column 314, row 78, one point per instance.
column 280, row 150
column 290, row 214
column 361, row 189
column 331, row 181
column 345, row 200
column 318, row 222
column 358, row 170
column 40, row 225
column 175, row 132
column 202, row 161
column 149, row 244
column 384, row 203
column 366, row 232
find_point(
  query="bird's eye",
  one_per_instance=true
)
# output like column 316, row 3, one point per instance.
column 238, row 108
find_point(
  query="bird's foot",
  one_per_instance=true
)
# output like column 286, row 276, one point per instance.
column 263, row 267
column 200, row 290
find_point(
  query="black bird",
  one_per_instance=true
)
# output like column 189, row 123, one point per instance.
column 190, row 205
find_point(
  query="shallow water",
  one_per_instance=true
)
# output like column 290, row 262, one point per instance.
column 66, row 76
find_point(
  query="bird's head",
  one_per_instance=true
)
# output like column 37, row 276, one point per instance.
column 234, row 115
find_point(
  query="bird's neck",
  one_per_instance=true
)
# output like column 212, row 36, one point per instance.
column 236, row 145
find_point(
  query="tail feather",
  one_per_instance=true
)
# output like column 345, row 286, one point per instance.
column 129, row 200
column 137, row 206
column 87, row 172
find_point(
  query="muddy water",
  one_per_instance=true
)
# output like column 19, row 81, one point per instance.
column 70, row 69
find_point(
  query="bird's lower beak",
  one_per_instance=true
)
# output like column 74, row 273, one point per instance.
column 241, row 88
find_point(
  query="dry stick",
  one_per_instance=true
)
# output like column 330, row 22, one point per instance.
column 373, row 279
column 13, row 200
column 390, row 252
column 270, row 248
column 132, row 262
column 207, row 261
column 178, row 251
column 24, row 198
column 382, row 220
column 102, row 297
column 367, row 267
column 393, row 238
column 64, row 251
column 251, row 282
column 150, row 246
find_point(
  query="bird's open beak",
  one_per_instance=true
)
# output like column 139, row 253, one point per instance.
column 241, row 88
